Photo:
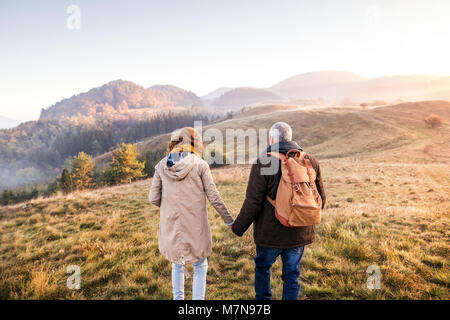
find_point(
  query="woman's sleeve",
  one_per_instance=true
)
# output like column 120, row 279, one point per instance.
column 154, row 195
column 214, row 196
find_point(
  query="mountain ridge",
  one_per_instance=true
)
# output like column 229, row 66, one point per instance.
column 335, row 86
column 120, row 97
column 239, row 97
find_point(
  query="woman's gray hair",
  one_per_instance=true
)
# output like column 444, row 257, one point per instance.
column 281, row 132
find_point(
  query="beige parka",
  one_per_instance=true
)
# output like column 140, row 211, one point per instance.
column 181, row 191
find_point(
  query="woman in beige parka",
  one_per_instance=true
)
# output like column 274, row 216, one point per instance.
column 180, row 186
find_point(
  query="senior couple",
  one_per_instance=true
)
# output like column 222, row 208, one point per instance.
column 180, row 186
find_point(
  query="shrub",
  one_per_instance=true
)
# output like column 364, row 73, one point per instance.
column 433, row 121
column 66, row 181
column 125, row 167
column 7, row 197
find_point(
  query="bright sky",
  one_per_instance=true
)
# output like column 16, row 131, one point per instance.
column 203, row 45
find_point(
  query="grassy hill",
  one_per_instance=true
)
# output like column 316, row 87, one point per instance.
column 387, row 181
column 343, row 132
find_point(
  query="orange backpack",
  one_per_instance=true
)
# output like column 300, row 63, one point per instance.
column 298, row 203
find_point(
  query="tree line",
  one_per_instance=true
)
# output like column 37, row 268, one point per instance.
column 37, row 150
column 125, row 166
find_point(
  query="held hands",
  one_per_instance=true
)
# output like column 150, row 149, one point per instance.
column 231, row 226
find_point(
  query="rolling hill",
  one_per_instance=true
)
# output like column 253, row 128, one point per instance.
column 334, row 86
column 341, row 132
column 208, row 98
column 121, row 97
column 175, row 96
column 387, row 182
column 118, row 106
column 326, row 84
column 239, row 97
column 322, row 88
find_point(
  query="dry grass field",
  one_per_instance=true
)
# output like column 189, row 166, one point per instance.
column 387, row 179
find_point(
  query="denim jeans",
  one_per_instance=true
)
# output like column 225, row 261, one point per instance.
column 199, row 285
column 265, row 258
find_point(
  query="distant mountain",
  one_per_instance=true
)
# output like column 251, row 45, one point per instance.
column 315, row 84
column 175, row 96
column 240, row 97
column 334, row 86
column 121, row 97
column 215, row 94
column 409, row 87
column 6, row 123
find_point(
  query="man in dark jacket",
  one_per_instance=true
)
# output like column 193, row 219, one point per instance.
column 272, row 239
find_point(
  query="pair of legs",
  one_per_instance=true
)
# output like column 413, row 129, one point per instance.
column 265, row 258
column 199, row 285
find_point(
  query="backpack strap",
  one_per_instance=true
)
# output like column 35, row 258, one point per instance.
column 297, row 153
column 307, row 164
column 281, row 157
column 272, row 202
column 290, row 173
column 278, row 155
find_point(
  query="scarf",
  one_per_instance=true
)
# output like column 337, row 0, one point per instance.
column 179, row 152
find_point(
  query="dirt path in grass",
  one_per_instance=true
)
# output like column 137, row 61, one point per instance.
column 439, row 176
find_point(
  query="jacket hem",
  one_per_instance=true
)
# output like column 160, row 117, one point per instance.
column 278, row 246
column 188, row 261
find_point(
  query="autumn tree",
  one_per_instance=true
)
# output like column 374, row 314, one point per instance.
column 125, row 167
column 433, row 121
column 82, row 170
column 7, row 197
column 66, row 181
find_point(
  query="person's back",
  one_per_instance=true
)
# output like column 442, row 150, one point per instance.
column 180, row 186
column 272, row 239
column 183, row 211
column 268, row 231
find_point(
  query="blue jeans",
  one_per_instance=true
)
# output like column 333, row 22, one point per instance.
column 199, row 281
column 265, row 258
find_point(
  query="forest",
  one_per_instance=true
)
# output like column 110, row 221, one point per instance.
column 36, row 151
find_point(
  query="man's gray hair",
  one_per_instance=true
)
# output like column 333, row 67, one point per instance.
column 281, row 132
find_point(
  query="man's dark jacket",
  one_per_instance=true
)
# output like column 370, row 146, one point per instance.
column 267, row 230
